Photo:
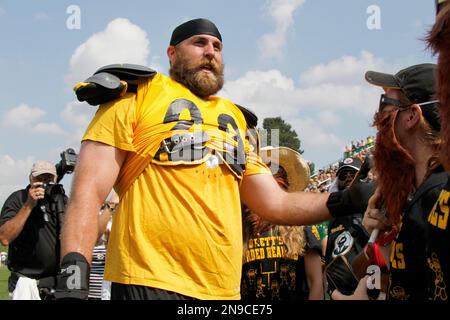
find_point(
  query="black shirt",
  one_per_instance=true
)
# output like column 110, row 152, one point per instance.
column 408, row 264
column 438, row 247
column 35, row 252
column 346, row 239
column 268, row 274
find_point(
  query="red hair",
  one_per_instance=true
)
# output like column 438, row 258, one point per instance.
column 439, row 41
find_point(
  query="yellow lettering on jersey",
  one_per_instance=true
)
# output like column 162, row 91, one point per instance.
column 279, row 253
column 252, row 255
column 338, row 228
column 267, row 247
column 438, row 217
column 262, row 242
column 269, row 252
column 257, row 254
column 274, row 252
column 397, row 258
column 280, row 241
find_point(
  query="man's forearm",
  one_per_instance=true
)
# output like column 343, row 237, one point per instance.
column 11, row 229
column 265, row 197
column 80, row 228
column 307, row 208
column 97, row 169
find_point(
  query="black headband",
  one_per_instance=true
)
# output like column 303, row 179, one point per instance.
column 192, row 28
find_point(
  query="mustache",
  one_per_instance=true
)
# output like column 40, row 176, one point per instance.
column 209, row 64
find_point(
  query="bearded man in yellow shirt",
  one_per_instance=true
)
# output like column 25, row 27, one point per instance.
column 181, row 161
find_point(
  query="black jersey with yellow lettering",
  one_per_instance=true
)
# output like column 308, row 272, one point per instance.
column 407, row 277
column 269, row 274
column 438, row 249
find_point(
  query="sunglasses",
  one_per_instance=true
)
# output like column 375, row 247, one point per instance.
column 385, row 101
column 346, row 175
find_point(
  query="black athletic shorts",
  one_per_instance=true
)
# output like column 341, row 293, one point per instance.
column 121, row 291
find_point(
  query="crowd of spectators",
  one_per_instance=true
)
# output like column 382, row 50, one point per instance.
column 358, row 146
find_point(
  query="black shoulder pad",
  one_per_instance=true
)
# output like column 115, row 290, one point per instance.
column 100, row 88
column 105, row 79
column 250, row 117
column 128, row 71
column 111, row 82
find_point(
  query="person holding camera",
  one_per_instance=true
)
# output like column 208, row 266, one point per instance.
column 31, row 229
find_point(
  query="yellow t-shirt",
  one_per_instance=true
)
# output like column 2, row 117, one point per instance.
column 178, row 224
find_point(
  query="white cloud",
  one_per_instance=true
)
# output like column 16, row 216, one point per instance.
column 249, row 86
column 328, row 118
column 156, row 65
column 319, row 106
column 22, row 116
column 120, row 42
column 2, row 11
column 27, row 118
column 315, row 135
column 77, row 114
column 271, row 93
column 346, row 69
column 48, row 128
column 281, row 11
column 13, row 174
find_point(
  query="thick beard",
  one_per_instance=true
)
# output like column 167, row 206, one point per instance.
column 439, row 41
column 192, row 77
column 394, row 167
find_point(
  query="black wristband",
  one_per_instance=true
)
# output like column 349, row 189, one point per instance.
column 73, row 279
column 339, row 204
column 73, row 258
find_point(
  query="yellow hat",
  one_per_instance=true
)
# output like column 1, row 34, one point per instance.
column 296, row 168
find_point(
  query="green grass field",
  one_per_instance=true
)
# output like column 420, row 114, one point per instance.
column 4, row 275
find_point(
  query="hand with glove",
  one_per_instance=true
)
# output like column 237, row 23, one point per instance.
column 355, row 198
column 72, row 282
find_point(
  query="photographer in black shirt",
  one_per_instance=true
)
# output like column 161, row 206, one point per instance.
column 30, row 224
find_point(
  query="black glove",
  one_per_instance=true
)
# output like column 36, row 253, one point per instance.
column 355, row 198
column 72, row 282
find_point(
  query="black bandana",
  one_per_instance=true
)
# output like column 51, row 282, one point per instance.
column 192, row 28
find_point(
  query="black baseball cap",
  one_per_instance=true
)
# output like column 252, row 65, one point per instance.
column 192, row 28
column 418, row 84
column 352, row 163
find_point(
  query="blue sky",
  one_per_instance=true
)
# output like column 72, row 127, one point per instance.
column 303, row 60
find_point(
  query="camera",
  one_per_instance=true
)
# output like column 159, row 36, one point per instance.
column 53, row 189
column 55, row 197
column 67, row 163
